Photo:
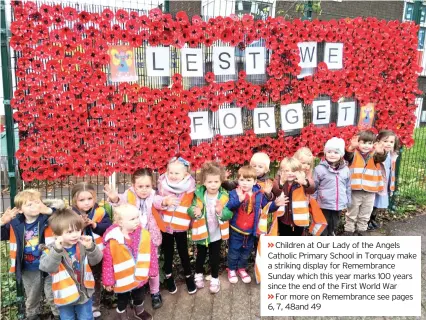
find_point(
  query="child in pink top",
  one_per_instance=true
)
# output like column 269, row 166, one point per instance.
column 141, row 195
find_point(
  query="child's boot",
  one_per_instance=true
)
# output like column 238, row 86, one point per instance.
column 141, row 313
column 121, row 315
column 156, row 300
column 171, row 285
column 190, row 284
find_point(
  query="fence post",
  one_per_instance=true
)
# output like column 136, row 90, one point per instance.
column 395, row 193
column 7, row 95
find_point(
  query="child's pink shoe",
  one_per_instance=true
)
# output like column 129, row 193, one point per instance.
column 232, row 276
column 199, row 280
column 215, row 285
column 244, row 275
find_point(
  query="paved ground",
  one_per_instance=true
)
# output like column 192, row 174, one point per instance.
column 241, row 301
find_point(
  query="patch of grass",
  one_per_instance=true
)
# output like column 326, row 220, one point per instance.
column 411, row 192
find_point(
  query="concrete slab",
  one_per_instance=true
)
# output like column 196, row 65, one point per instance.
column 222, row 300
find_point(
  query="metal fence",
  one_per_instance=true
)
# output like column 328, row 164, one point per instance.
column 411, row 179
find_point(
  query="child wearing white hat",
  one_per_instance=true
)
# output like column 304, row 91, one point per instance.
column 332, row 184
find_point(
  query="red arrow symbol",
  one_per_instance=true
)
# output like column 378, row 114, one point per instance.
column 270, row 245
column 270, row 296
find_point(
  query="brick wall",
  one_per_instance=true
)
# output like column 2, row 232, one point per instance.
column 388, row 10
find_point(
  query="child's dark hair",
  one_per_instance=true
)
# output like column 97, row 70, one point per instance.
column 145, row 172
column 212, row 168
column 389, row 133
column 367, row 136
column 64, row 219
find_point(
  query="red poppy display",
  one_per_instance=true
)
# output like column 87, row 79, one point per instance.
column 77, row 124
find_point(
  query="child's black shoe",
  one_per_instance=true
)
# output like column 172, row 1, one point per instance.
column 171, row 285
column 190, row 284
column 157, row 301
column 370, row 226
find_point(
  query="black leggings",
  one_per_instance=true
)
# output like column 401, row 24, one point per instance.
column 168, row 247
column 214, row 255
column 123, row 299
column 286, row 230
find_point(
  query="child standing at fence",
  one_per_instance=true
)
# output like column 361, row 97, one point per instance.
column 176, row 191
column 364, row 157
column 294, row 187
column 210, row 225
column 96, row 221
column 141, row 195
column 391, row 145
column 69, row 260
column 332, row 183
column 25, row 226
column 126, row 261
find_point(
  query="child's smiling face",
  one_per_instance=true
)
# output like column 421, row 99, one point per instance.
column 246, row 184
column 176, row 172
column 306, row 162
column 287, row 174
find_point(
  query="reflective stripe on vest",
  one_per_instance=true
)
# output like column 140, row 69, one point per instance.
column 49, row 237
column 300, row 208
column 199, row 227
column 365, row 176
column 178, row 219
column 63, row 286
column 131, row 199
column 127, row 273
column 97, row 217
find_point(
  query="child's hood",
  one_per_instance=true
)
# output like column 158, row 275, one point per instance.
column 114, row 232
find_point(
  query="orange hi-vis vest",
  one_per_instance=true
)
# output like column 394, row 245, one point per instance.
column 97, row 217
column 64, row 288
column 273, row 231
column 178, row 219
column 317, row 226
column 365, row 176
column 128, row 273
column 199, row 226
column 300, row 206
column 49, row 238
column 131, row 199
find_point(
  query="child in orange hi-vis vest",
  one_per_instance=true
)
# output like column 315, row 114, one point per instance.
column 69, row 260
column 25, row 226
column 293, row 187
column 96, row 221
column 364, row 156
column 175, row 193
column 141, row 195
column 210, row 225
column 126, row 261
column 391, row 146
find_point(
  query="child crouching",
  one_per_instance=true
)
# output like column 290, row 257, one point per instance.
column 127, row 261
column 68, row 259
